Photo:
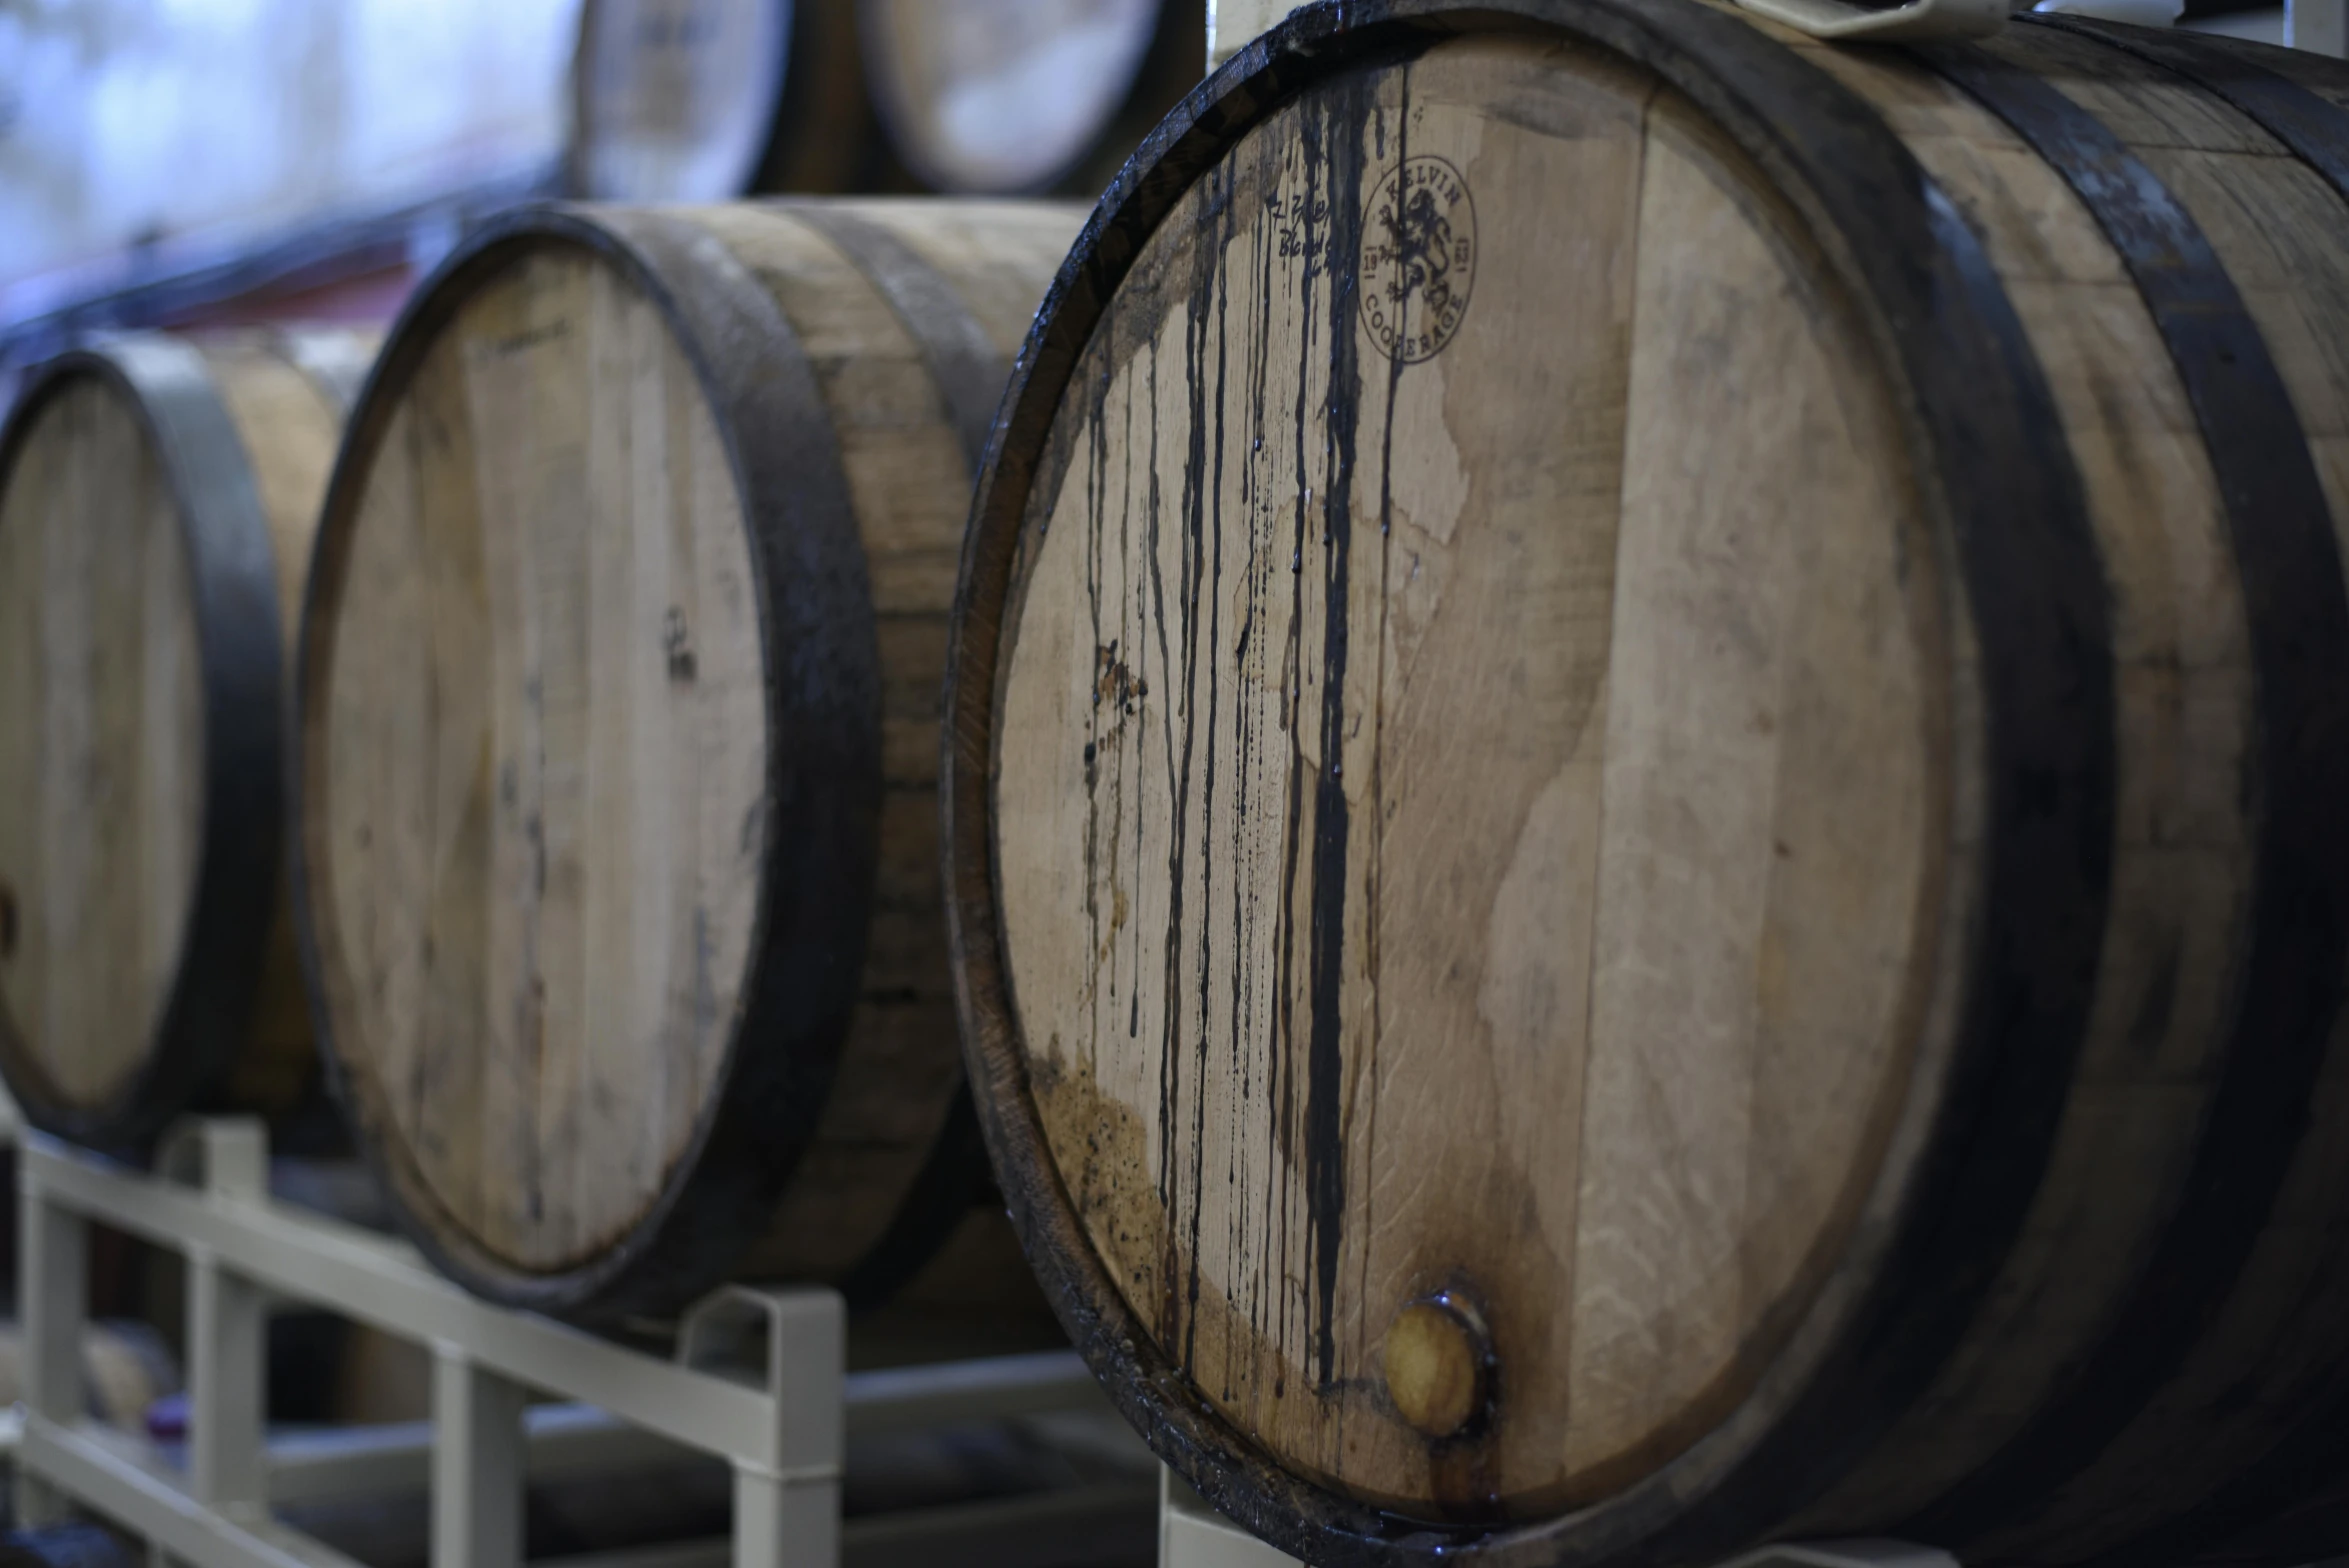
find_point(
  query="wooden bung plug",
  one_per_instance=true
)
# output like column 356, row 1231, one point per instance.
column 1438, row 1365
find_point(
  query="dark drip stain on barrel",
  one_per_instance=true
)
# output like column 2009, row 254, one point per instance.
column 1340, row 134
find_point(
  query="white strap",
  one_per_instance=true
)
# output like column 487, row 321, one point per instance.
column 1914, row 20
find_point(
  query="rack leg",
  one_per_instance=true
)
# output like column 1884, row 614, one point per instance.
column 787, row 1506
column 785, row 1522
column 53, row 1272
column 477, row 1465
column 1192, row 1535
column 227, row 1374
column 228, row 1332
column 2320, row 25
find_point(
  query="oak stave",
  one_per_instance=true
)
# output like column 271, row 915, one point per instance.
column 618, row 886
column 1777, row 973
column 144, row 819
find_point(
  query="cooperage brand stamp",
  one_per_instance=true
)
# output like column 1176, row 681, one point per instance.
column 1418, row 259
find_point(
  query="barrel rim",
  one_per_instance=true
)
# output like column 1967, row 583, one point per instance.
column 1983, row 1122
column 819, row 833
column 224, row 537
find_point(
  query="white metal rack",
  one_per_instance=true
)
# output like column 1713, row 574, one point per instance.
column 759, row 1380
column 1191, row 1535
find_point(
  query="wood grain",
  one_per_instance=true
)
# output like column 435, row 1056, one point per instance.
column 105, row 697
column 100, row 679
column 557, row 787
column 541, row 836
column 1563, row 647
column 1492, row 740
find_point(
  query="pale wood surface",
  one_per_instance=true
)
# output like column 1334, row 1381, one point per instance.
column 2181, row 846
column 2182, row 873
column 540, row 809
column 101, row 741
column 909, row 481
column 1587, row 942
column 102, row 708
column 291, row 423
column 536, row 822
column 1638, row 907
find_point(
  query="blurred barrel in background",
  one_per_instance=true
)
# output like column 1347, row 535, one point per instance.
column 617, row 714
column 1646, row 754
column 704, row 100
column 986, row 97
column 157, row 500
column 676, row 99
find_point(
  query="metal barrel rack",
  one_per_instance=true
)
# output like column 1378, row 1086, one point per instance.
column 1192, row 1535
column 758, row 1380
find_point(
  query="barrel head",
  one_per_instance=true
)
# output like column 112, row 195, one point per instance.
column 536, row 749
column 101, row 745
column 1471, row 781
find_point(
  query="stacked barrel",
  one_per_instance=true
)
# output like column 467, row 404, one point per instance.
column 1632, row 846
column 700, row 100
column 157, row 501
column 1643, row 788
column 616, row 743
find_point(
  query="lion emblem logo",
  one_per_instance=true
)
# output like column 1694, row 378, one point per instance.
column 1418, row 259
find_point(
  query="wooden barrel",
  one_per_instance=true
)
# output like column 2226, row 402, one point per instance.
column 618, row 727
column 157, row 497
column 675, row 99
column 985, row 97
column 705, row 100
column 1645, row 763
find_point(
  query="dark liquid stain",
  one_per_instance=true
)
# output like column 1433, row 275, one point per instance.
column 1202, row 495
column 7, row 921
column 524, row 341
column 1339, row 131
column 1287, row 1130
column 677, row 644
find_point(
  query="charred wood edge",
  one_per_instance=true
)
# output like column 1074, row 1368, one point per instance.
column 208, row 1012
column 821, row 830
column 969, row 375
column 1998, row 480
column 2289, row 986
column 1174, row 62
